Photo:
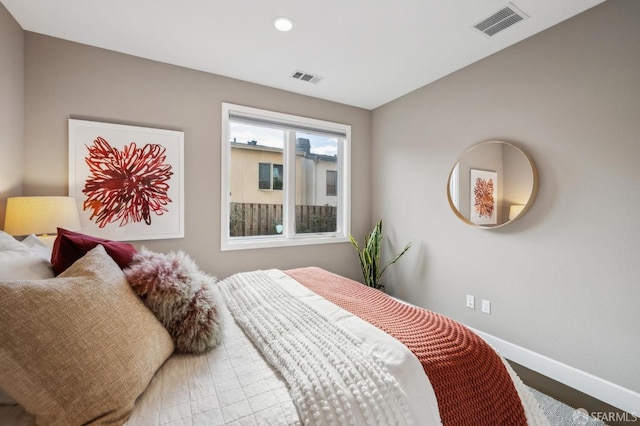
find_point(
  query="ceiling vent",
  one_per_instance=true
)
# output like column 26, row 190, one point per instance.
column 305, row 76
column 501, row 20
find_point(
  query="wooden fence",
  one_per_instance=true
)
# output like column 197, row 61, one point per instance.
column 250, row 219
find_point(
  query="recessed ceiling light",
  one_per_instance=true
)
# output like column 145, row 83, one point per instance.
column 283, row 24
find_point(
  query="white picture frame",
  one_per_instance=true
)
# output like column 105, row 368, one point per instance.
column 128, row 181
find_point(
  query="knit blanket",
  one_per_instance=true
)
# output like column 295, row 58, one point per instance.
column 333, row 377
column 471, row 382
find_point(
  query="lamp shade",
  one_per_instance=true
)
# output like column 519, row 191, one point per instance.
column 40, row 215
column 515, row 210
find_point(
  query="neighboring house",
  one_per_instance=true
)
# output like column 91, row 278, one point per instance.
column 257, row 175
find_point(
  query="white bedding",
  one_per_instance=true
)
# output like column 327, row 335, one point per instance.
column 234, row 384
column 338, row 371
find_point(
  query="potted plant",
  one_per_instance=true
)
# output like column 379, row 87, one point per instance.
column 369, row 256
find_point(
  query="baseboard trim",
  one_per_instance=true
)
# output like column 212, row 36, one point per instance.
column 611, row 393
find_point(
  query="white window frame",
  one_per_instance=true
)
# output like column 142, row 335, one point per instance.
column 288, row 236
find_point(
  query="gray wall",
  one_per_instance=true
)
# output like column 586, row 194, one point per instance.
column 563, row 280
column 11, row 107
column 67, row 80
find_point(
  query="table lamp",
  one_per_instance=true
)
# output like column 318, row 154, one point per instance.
column 40, row 215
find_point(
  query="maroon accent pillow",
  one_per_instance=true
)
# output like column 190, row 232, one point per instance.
column 70, row 246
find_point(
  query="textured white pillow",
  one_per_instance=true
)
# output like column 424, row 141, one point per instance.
column 24, row 265
column 7, row 242
column 29, row 260
column 38, row 246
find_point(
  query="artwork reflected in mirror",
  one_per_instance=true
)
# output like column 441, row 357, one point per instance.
column 484, row 190
column 492, row 184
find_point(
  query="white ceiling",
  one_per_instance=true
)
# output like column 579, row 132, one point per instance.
column 368, row 52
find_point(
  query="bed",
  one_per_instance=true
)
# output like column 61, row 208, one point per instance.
column 301, row 346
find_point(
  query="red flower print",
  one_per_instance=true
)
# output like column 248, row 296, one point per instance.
column 126, row 186
column 483, row 192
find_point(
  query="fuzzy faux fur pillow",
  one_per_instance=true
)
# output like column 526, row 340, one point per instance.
column 180, row 296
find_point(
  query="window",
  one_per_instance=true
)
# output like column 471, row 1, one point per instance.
column 301, row 166
column 264, row 176
column 269, row 176
column 332, row 182
column 277, row 176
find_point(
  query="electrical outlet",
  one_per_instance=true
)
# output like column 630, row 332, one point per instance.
column 486, row 306
column 471, row 301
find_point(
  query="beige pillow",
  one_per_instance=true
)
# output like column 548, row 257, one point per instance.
column 81, row 347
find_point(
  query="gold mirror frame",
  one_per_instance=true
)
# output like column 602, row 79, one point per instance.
column 505, row 184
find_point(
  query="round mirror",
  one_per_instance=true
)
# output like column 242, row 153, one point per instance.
column 492, row 184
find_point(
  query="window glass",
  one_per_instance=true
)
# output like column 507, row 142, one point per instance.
column 254, row 209
column 278, row 176
column 285, row 179
column 315, row 157
column 264, row 174
column 332, row 183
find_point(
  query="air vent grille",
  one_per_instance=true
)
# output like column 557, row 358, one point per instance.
column 501, row 20
column 305, row 76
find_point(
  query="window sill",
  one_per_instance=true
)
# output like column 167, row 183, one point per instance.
column 245, row 243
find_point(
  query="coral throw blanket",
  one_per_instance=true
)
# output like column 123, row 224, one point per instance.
column 471, row 383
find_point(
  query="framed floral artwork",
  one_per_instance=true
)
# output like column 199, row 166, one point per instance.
column 128, row 181
column 484, row 192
